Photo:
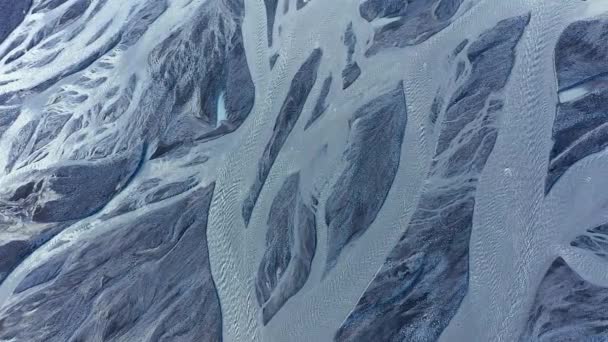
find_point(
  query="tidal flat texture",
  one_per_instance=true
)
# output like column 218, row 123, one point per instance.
column 594, row 240
column 321, row 104
column 351, row 71
column 291, row 242
column 425, row 277
column 119, row 294
column 303, row 170
column 301, row 85
column 372, row 159
column 581, row 120
column 567, row 308
column 411, row 22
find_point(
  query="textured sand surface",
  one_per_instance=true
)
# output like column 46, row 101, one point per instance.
column 303, row 170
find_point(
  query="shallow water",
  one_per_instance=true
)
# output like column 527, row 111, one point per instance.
column 451, row 189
